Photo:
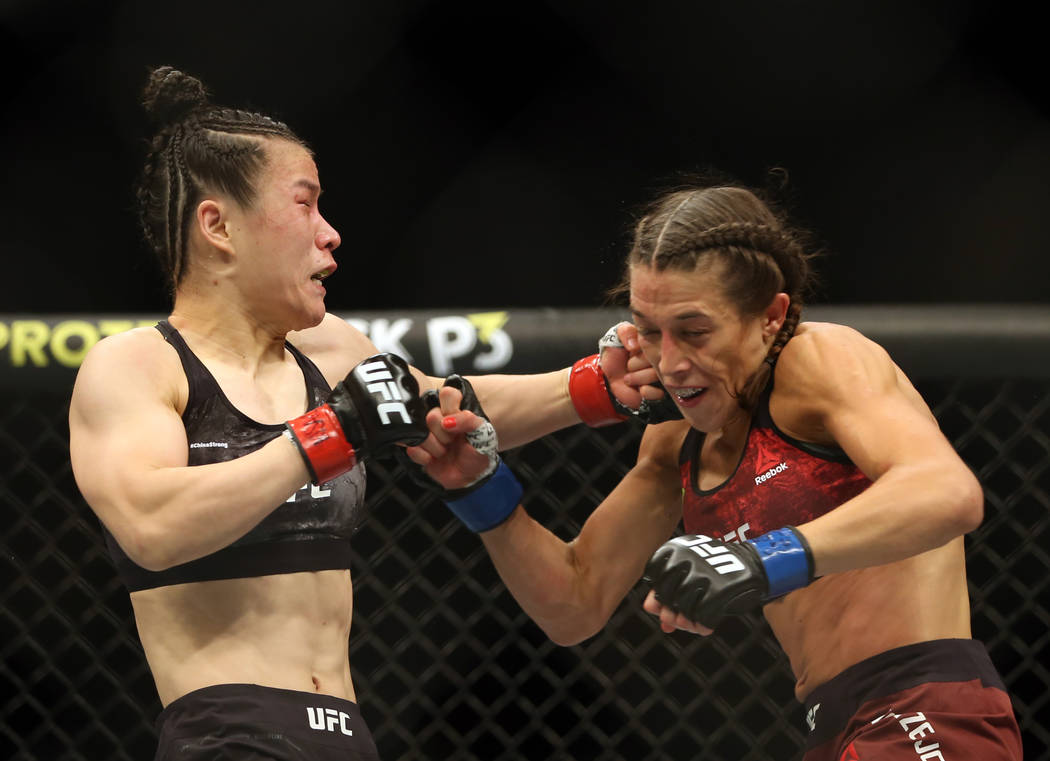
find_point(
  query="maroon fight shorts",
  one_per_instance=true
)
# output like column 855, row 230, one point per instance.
column 933, row 701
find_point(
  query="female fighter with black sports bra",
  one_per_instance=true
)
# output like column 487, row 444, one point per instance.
column 223, row 450
column 813, row 482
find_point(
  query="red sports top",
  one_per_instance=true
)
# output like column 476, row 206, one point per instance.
column 779, row 481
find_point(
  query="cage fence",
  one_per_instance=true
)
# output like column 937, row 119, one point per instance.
column 446, row 664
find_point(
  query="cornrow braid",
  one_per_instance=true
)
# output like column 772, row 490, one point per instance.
column 752, row 390
column 198, row 148
column 758, row 237
column 243, row 122
column 175, row 213
column 146, row 199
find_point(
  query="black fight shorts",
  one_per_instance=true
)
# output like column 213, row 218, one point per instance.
column 933, row 701
column 246, row 722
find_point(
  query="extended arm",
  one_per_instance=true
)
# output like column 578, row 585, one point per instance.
column 602, row 389
column 569, row 588
column 523, row 407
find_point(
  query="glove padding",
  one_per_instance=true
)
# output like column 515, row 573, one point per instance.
column 368, row 413
column 431, row 400
column 659, row 410
column 490, row 498
column 706, row 579
column 483, row 438
column 594, row 400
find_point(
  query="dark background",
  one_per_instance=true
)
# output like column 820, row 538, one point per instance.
column 490, row 154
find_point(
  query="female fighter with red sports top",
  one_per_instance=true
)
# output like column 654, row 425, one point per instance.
column 224, row 449
column 812, row 479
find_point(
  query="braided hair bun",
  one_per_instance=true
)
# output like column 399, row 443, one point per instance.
column 170, row 95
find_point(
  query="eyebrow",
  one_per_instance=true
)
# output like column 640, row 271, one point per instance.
column 684, row 316
column 310, row 185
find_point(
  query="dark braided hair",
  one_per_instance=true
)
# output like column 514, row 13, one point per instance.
column 760, row 255
column 196, row 148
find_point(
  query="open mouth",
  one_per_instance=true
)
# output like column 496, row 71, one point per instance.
column 685, row 394
column 319, row 276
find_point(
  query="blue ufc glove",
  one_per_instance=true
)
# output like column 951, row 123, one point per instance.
column 706, row 579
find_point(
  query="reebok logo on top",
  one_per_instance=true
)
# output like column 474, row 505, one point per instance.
column 767, row 465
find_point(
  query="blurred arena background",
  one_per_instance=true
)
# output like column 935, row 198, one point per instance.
column 485, row 157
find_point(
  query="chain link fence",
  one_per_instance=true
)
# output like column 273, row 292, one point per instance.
column 446, row 664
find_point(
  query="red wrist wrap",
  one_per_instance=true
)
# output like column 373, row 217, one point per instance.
column 322, row 442
column 590, row 393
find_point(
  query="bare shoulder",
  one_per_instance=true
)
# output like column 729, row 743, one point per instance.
column 829, row 336
column 824, row 357
column 653, row 486
column 331, row 334
column 661, row 444
column 334, row 345
column 139, row 351
column 137, row 362
column 826, row 368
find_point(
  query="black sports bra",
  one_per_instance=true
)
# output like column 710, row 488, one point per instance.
column 309, row 532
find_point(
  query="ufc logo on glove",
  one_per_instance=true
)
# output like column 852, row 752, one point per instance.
column 379, row 382
column 717, row 557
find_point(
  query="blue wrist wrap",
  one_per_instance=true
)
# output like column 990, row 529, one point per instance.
column 786, row 559
column 490, row 504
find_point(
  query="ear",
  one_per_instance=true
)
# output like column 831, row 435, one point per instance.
column 213, row 223
column 775, row 314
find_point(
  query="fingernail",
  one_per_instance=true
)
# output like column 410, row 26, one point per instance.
column 449, row 422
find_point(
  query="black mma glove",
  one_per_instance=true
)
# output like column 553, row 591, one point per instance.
column 706, row 579
column 658, row 410
column 595, row 402
column 374, row 408
column 491, row 497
